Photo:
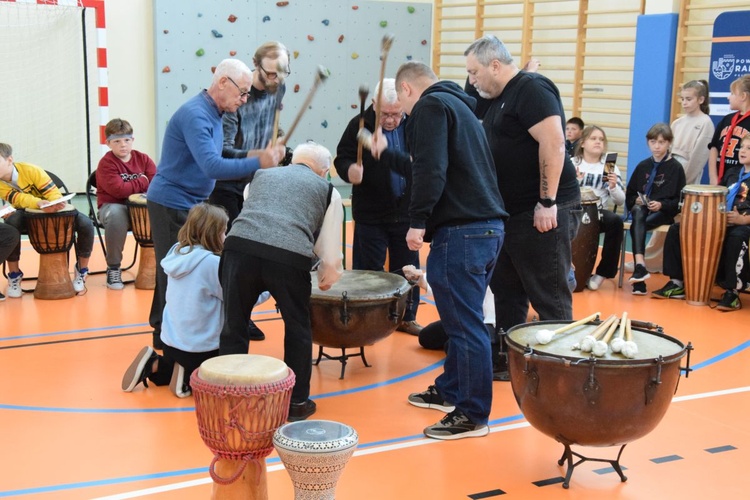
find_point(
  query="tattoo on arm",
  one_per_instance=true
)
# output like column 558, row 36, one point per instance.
column 544, row 179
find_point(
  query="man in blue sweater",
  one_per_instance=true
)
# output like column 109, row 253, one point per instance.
column 191, row 162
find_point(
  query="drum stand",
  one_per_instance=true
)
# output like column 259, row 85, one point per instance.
column 500, row 366
column 344, row 356
column 568, row 454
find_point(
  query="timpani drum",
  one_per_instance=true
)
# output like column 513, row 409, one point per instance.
column 240, row 401
column 314, row 453
column 52, row 236
column 578, row 399
column 585, row 246
column 141, row 226
column 702, row 230
column 361, row 308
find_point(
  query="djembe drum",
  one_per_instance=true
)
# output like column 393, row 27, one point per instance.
column 51, row 235
column 240, row 401
column 585, row 246
column 702, row 230
column 141, row 227
column 314, row 453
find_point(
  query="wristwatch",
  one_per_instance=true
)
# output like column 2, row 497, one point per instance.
column 547, row 202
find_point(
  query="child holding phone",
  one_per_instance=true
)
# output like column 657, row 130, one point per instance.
column 596, row 169
column 660, row 178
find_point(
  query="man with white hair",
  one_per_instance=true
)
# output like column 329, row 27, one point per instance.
column 380, row 196
column 272, row 246
column 191, row 162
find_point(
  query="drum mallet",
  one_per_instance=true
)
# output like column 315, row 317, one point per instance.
column 618, row 341
column 385, row 47
column 364, row 91
column 277, row 115
column 629, row 348
column 587, row 344
column 600, row 347
column 321, row 75
column 545, row 336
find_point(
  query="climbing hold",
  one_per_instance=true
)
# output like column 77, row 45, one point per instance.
column 355, row 55
column 282, row 4
column 296, row 88
column 355, row 7
column 310, row 37
column 354, row 106
column 295, row 54
column 325, row 22
column 410, row 9
column 165, row 69
column 200, row 15
column 166, row 32
column 266, row 18
column 183, row 87
column 424, row 42
column 341, row 38
column 383, row 24
column 408, row 57
column 324, row 124
column 213, row 69
column 232, row 18
column 232, row 53
column 217, row 34
column 200, row 52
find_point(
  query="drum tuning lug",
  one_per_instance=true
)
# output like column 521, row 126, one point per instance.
column 591, row 387
column 344, row 315
column 689, row 348
column 654, row 384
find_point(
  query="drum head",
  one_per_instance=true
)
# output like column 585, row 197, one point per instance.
column 137, row 199
column 363, row 286
column 36, row 211
column 588, row 196
column 315, row 436
column 704, row 189
column 651, row 345
column 242, row 369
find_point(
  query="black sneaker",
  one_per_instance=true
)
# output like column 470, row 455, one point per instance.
column 139, row 370
column 2, row 297
column 670, row 291
column 456, row 425
column 730, row 301
column 300, row 411
column 640, row 273
column 430, row 399
column 255, row 332
column 639, row 288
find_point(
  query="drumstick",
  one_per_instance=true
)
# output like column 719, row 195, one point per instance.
column 629, row 348
column 587, row 344
column 600, row 348
column 545, row 336
column 385, row 46
column 277, row 115
column 363, row 93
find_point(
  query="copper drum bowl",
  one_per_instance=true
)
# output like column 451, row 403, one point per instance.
column 578, row 399
column 362, row 308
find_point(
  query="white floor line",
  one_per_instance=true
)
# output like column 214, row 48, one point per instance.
column 386, row 448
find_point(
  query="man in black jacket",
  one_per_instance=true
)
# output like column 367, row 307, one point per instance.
column 455, row 205
column 380, row 196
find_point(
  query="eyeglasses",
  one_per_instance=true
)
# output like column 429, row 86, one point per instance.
column 274, row 75
column 392, row 116
column 242, row 94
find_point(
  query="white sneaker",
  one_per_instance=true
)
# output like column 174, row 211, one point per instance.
column 14, row 286
column 594, row 282
column 177, row 384
column 79, row 282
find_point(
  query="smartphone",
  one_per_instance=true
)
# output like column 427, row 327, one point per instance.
column 609, row 163
column 644, row 199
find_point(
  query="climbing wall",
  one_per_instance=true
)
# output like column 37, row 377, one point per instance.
column 343, row 36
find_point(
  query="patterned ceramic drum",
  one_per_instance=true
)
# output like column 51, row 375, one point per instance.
column 361, row 308
column 141, row 227
column 585, row 246
column 52, row 236
column 702, row 230
column 240, row 401
column 315, row 453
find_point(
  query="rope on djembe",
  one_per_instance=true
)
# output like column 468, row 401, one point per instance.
column 237, row 422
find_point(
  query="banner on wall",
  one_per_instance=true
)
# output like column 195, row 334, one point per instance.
column 730, row 58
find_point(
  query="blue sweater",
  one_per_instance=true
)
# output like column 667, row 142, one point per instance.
column 191, row 156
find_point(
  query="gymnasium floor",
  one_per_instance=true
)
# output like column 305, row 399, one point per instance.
column 67, row 431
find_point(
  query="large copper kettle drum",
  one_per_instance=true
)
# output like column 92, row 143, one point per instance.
column 579, row 399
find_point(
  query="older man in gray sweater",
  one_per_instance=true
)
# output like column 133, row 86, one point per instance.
column 272, row 246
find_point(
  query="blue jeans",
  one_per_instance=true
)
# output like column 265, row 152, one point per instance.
column 370, row 244
column 460, row 265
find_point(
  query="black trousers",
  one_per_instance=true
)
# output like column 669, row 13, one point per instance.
column 243, row 278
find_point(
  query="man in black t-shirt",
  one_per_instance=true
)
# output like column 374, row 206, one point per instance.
column 525, row 125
